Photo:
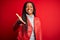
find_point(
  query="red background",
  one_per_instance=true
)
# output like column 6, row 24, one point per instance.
column 46, row 10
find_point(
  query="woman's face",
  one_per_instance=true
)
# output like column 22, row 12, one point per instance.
column 29, row 8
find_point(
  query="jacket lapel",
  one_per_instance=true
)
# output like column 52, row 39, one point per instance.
column 30, row 27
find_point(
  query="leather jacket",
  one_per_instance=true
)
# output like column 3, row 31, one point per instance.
column 37, row 30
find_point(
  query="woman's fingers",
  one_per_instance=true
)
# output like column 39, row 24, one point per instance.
column 20, row 18
column 17, row 15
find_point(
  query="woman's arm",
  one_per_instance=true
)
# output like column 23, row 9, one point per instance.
column 16, row 25
column 40, row 30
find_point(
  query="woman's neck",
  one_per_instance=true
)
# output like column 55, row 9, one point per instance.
column 30, row 14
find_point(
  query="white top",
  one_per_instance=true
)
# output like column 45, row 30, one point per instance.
column 31, row 19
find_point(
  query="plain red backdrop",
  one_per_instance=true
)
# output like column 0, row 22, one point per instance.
column 46, row 10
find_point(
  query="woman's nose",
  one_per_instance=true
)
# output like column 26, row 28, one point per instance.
column 28, row 8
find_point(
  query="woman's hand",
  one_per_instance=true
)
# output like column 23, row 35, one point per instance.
column 20, row 18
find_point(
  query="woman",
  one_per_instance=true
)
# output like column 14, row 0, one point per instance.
column 29, row 25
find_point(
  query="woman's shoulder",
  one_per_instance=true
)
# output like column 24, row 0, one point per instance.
column 37, row 18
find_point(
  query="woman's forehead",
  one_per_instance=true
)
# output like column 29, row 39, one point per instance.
column 29, row 4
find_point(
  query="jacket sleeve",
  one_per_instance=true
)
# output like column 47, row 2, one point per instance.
column 16, row 25
column 40, row 29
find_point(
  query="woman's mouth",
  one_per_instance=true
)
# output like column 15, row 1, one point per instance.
column 29, row 10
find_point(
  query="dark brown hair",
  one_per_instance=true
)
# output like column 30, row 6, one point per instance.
column 24, row 14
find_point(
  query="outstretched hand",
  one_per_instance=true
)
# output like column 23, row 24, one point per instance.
column 19, row 17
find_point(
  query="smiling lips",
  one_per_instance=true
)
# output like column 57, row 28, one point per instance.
column 29, row 10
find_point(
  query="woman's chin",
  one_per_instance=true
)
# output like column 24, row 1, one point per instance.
column 30, row 13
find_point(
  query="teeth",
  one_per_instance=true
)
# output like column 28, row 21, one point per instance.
column 29, row 10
